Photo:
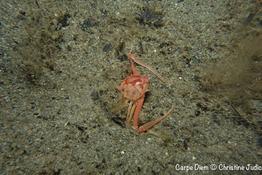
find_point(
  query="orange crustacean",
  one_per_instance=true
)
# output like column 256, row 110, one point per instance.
column 133, row 89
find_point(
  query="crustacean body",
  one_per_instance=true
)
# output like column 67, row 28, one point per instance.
column 133, row 89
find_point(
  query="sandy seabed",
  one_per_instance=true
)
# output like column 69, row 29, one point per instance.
column 60, row 64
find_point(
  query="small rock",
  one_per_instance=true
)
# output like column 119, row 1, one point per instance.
column 63, row 21
column 122, row 57
column 88, row 23
column 107, row 47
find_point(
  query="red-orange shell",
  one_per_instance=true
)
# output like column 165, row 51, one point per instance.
column 134, row 87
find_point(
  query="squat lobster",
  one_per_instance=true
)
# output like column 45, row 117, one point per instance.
column 133, row 89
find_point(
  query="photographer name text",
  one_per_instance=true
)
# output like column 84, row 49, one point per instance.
column 219, row 167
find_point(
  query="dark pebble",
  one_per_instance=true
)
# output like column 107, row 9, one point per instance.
column 197, row 113
column 107, row 47
column 88, row 23
column 94, row 95
column 63, row 21
column 122, row 57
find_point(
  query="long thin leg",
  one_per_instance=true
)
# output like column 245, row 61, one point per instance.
column 130, row 112
column 139, row 103
column 152, row 123
column 132, row 58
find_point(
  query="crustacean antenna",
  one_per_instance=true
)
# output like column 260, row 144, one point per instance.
column 133, row 57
